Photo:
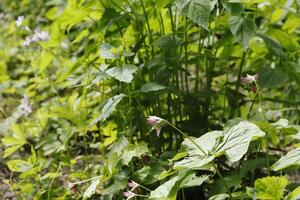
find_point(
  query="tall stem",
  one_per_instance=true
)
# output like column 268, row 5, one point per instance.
column 191, row 140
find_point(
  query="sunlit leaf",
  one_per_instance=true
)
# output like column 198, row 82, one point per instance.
column 291, row 158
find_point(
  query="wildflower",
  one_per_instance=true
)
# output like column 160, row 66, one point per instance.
column 133, row 185
column 27, row 41
column 19, row 21
column 157, row 123
column 40, row 36
column 129, row 195
column 26, row 106
column 250, row 79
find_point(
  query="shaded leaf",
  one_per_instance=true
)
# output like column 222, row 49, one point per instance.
column 110, row 105
column 152, row 86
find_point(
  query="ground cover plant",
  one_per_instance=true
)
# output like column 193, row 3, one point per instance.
column 146, row 99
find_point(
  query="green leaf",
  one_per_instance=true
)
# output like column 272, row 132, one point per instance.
column 106, row 51
column 294, row 195
column 169, row 189
column 19, row 165
column 152, row 86
column 192, row 180
column 149, row 174
column 123, row 73
column 243, row 28
column 291, row 158
column 81, row 35
column 270, row 187
column 91, row 189
column 236, row 140
column 273, row 46
column 196, row 10
column 272, row 78
column 110, row 105
column 134, row 150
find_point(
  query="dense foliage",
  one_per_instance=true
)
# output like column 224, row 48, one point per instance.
column 182, row 99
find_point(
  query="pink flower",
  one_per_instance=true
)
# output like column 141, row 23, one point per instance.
column 250, row 79
column 133, row 185
column 129, row 194
column 157, row 123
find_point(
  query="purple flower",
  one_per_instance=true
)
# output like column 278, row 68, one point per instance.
column 157, row 123
column 250, row 79
column 19, row 21
column 133, row 185
column 129, row 195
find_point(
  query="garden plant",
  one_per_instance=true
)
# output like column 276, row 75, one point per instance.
column 149, row 99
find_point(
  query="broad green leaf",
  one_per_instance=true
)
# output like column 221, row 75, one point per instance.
column 169, row 189
column 134, row 150
column 196, row 10
column 91, row 189
column 271, row 188
column 123, row 73
column 291, row 158
column 110, row 105
column 273, row 46
column 272, row 78
column 243, row 28
column 206, row 142
column 19, row 165
column 194, row 162
column 106, row 51
column 294, row 195
column 152, row 86
column 236, row 140
column 150, row 173
column 192, row 180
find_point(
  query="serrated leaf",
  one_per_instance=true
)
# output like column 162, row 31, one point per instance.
column 123, row 73
column 291, row 158
column 196, row 10
column 236, row 140
column 152, row 86
column 110, row 105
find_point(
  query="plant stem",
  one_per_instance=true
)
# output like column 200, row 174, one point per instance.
column 191, row 140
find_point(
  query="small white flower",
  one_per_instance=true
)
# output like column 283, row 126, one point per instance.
column 19, row 21
column 26, row 106
column 27, row 41
column 40, row 36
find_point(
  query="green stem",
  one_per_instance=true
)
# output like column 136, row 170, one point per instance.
column 191, row 140
column 222, row 178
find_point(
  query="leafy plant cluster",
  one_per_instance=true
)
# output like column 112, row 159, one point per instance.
column 84, row 85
